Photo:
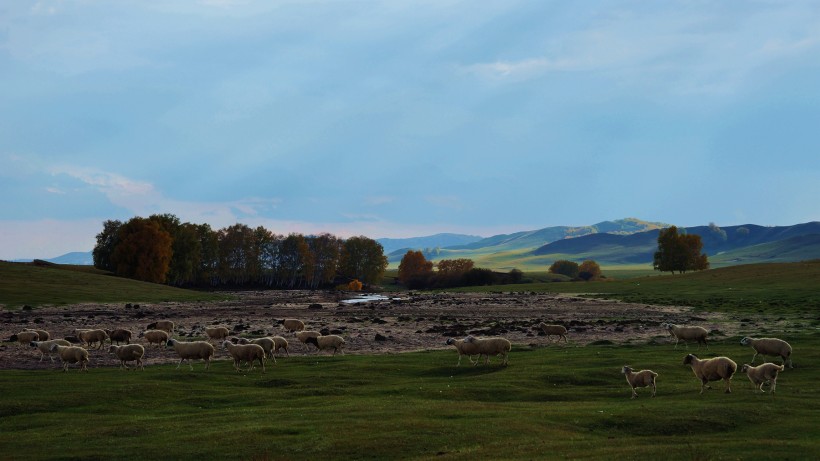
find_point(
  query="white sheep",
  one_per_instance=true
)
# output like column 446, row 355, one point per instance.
column 89, row 337
column 43, row 334
column 554, row 330
column 246, row 352
column 687, row 333
column 128, row 353
column 71, row 354
column 491, row 346
column 713, row 369
column 217, row 333
column 280, row 343
column 26, row 337
column 164, row 325
column 303, row 336
column 643, row 378
column 120, row 335
column 192, row 350
column 158, row 337
column 762, row 374
column 334, row 342
column 44, row 347
column 268, row 344
column 292, row 325
column 770, row 346
column 468, row 349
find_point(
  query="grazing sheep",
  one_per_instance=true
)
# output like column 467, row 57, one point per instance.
column 643, row 378
column 164, row 325
column 158, row 337
column 762, row 374
column 246, row 352
column 556, row 330
column 217, row 333
column 44, row 347
column 334, row 342
column 292, row 325
column 192, row 350
column 26, row 337
column 468, row 349
column 268, row 344
column 89, row 337
column 43, row 334
column 71, row 354
column 119, row 335
column 491, row 346
column 303, row 336
column 687, row 334
column 770, row 346
column 127, row 353
column 280, row 343
column 713, row 369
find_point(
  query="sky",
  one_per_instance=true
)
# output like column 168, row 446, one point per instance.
column 394, row 118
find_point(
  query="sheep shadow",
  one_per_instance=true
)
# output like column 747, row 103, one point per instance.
column 465, row 370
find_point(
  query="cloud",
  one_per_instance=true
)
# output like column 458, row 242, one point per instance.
column 523, row 69
column 450, row 202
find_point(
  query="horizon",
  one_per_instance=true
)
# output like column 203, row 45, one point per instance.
column 399, row 119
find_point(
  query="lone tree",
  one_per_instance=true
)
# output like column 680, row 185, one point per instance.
column 679, row 252
column 589, row 270
column 413, row 264
column 564, row 267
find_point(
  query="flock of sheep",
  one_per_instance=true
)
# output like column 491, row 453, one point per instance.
column 258, row 350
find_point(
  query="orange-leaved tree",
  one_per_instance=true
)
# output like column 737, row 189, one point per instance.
column 413, row 264
column 143, row 252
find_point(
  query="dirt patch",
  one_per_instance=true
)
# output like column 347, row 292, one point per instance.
column 403, row 322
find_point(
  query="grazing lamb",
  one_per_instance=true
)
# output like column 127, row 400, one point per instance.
column 158, row 337
column 762, row 374
column 292, row 325
column 217, row 333
column 192, row 350
column 687, row 334
column 89, row 337
column 491, row 346
column 71, row 354
column 44, row 347
column 120, row 335
column 303, row 336
column 334, row 342
column 164, row 325
column 713, row 369
column 468, row 349
column 643, row 378
column 246, row 352
column 128, row 353
column 554, row 330
column 771, row 347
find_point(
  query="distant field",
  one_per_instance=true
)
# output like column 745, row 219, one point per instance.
column 28, row 284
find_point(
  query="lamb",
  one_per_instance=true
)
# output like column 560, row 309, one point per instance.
column 89, row 337
column 158, row 337
column 217, row 333
column 303, row 336
column 45, row 347
column 491, row 346
column 128, row 353
column 293, row 325
column 468, row 349
column 71, row 354
column 268, row 344
column 643, row 378
column 762, row 374
column 119, row 335
column 687, row 333
column 246, row 352
column 770, row 346
column 164, row 325
column 43, row 334
column 557, row 330
column 713, row 369
column 192, row 350
column 334, row 342
column 26, row 337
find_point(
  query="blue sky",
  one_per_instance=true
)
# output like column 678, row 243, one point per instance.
column 404, row 118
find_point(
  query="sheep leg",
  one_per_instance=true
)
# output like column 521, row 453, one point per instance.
column 634, row 394
column 653, row 388
column 753, row 358
column 729, row 386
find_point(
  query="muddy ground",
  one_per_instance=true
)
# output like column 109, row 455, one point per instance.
column 404, row 322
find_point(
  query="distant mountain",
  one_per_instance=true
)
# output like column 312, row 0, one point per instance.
column 79, row 258
column 432, row 241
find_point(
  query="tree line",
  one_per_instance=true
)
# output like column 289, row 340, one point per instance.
column 162, row 249
column 416, row 272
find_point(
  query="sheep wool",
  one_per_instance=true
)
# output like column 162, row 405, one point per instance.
column 762, row 374
column 773, row 347
column 217, row 333
column 245, row 352
column 129, row 353
column 643, row 378
column 687, row 333
column 468, row 349
column 554, row 330
column 158, row 337
column 334, row 342
column 71, row 354
column 195, row 350
column 164, row 325
column 713, row 369
column 491, row 346
column 292, row 325
column 44, row 347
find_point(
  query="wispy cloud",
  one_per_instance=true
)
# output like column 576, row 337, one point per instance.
column 450, row 202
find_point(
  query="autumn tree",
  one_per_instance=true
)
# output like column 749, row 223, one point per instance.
column 362, row 258
column 589, row 270
column 679, row 252
column 454, row 267
column 413, row 265
column 325, row 250
column 106, row 242
column 143, row 251
column 564, row 267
